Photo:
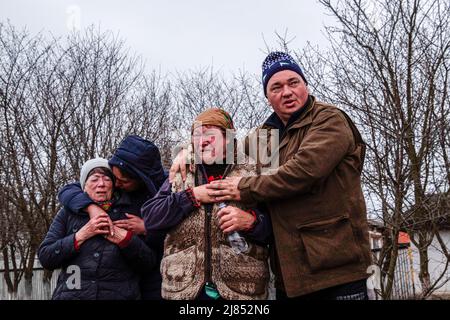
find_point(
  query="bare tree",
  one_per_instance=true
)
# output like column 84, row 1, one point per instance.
column 20, row 56
column 239, row 94
column 388, row 67
column 62, row 102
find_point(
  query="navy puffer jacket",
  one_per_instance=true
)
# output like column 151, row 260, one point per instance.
column 107, row 271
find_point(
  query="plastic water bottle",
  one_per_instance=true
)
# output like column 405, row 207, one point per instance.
column 236, row 241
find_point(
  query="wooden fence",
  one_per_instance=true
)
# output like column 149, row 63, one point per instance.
column 36, row 290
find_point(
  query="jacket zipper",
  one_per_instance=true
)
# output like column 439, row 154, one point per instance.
column 207, row 236
column 208, row 215
column 207, row 246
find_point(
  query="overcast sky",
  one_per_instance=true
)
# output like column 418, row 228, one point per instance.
column 181, row 35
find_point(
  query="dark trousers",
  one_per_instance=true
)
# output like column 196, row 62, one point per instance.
column 349, row 291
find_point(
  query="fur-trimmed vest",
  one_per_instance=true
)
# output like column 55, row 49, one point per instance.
column 196, row 251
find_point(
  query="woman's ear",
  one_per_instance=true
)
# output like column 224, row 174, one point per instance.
column 229, row 136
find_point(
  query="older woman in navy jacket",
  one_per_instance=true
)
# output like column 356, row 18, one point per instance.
column 108, row 266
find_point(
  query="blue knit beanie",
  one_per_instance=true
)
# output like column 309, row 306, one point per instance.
column 278, row 61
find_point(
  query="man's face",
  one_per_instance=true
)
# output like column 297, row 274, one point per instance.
column 287, row 93
column 209, row 144
column 125, row 183
column 99, row 187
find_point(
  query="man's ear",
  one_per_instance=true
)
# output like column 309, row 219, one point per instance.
column 268, row 102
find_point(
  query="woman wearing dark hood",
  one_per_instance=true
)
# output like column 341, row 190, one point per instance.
column 136, row 165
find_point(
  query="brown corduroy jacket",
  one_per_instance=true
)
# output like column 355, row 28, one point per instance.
column 316, row 203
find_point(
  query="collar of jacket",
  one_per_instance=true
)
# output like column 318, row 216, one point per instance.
column 118, row 198
column 299, row 119
column 204, row 174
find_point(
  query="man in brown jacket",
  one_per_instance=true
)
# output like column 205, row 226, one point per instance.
column 315, row 199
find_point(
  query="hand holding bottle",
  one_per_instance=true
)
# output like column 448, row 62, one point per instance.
column 230, row 224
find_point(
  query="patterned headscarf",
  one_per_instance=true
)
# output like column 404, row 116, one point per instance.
column 214, row 117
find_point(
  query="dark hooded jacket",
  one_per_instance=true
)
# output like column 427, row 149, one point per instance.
column 139, row 158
